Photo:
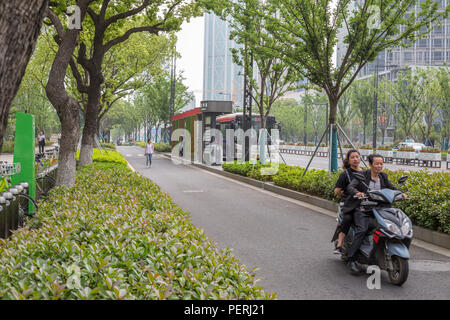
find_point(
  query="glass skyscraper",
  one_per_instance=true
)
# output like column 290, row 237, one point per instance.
column 222, row 79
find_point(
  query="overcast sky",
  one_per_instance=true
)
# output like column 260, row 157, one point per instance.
column 190, row 46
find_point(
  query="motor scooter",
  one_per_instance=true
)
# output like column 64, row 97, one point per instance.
column 389, row 236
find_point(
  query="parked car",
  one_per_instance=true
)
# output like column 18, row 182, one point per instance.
column 415, row 145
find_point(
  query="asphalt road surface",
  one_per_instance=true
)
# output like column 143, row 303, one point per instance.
column 288, row 242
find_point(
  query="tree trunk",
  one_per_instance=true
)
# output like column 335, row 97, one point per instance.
column 20, row 25
column 70, row 128
column 66, row 106
column 89, row 133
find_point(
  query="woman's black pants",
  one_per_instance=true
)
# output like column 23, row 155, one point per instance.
column 362, row 222
column 41, row 147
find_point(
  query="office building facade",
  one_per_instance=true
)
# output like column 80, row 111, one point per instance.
column 222, row 79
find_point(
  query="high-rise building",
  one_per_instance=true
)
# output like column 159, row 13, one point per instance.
column 433, row 50
column 222, row 79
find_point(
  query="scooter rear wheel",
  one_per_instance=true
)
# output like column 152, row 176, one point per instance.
column 399, row 273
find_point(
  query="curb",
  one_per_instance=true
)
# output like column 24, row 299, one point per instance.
column 434, row 237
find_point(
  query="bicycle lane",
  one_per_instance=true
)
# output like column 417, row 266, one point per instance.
column 289, row 243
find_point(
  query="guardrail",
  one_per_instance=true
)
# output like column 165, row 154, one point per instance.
column 15, row 202
column 421, row 160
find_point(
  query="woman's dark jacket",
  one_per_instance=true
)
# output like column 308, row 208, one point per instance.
column 356, row 186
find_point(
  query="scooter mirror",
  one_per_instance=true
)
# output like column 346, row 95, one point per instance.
column 402, row 179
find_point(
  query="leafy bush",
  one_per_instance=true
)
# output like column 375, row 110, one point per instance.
column 162, row 147
column 140, row 143
column 430, row 150
column 115, row 235
column 389, row 148
column 159, row 146
column 428, row 206
column 106, row 156
column 8, row 147
column 108, row 145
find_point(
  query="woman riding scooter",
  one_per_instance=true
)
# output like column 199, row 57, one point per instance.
column 350, row 165
column 375, row 180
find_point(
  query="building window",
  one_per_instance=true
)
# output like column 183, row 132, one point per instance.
column 408, row 56
column 437, row 55
column 422, row 43
column 438, row 43
column 419, row 56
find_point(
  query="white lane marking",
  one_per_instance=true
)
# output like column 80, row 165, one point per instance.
column 193, row 191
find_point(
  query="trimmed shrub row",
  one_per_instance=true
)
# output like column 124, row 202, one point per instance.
column 115, row 235
column 159, row 146
column 428, row 206
column 106, row 156
column 108, row 145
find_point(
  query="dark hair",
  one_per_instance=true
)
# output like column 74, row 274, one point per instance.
column 373, row 156
column 346, row 162
column 149, row 140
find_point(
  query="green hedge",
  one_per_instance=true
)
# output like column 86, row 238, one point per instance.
column 140, row 143
column 429, row 204
column 108, row 145
column 115, row 235
column 106, row 156
column 159, row 146
column 163, row 147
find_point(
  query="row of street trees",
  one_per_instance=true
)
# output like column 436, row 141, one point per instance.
column 283, row 40
column 149, row 108
column 414, row 104
column 96, row 44
column 301, row 35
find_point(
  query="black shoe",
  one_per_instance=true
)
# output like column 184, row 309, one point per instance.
column 338, row 250
column 353, row 266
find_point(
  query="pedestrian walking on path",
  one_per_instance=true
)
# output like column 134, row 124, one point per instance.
column 149, row 149
column 41, row 141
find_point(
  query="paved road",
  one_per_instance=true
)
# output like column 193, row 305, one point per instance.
column 289, row 243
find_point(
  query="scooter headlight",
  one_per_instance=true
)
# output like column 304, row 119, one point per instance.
column 406, row 227
column 393, row 228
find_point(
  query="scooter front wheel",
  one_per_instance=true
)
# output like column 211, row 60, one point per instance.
column 399, row 273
